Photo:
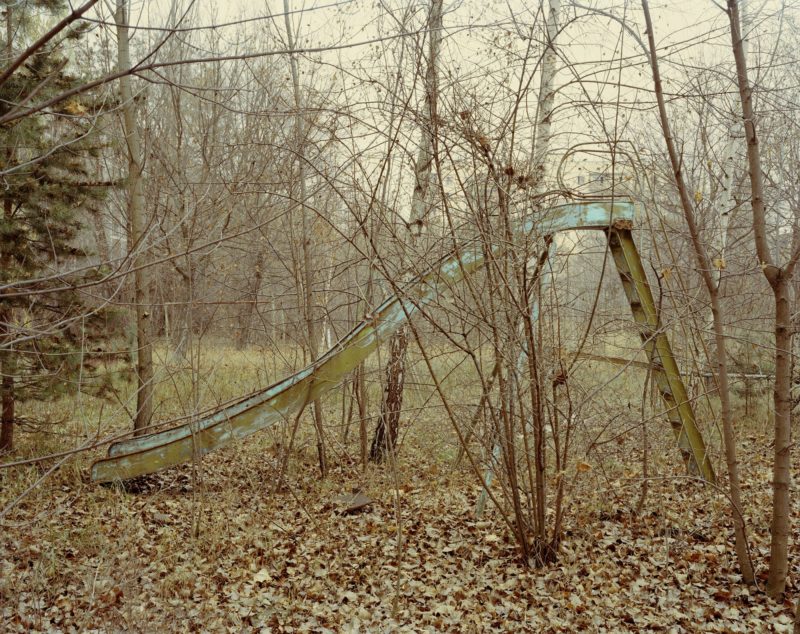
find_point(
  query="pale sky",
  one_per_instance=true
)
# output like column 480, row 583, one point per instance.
column 476, row 32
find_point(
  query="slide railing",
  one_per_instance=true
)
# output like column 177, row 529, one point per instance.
column 147, row 454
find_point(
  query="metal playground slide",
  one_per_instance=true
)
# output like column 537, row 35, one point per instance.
column 148, row 454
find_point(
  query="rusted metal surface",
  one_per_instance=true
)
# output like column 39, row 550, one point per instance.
column 703, row 374
column 350, row 503
column 148, row 454
column 623, row 224
column 654, row 339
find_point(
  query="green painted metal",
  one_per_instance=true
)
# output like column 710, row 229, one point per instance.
column 662, row 362
column 154, row 452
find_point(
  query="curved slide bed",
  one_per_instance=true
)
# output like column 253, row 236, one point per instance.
column 154, row 452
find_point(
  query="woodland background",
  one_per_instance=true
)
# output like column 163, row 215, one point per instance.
column 199, row 200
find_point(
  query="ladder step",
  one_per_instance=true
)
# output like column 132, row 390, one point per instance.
column 645, row 313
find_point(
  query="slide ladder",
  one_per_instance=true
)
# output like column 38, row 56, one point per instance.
column 665, row 370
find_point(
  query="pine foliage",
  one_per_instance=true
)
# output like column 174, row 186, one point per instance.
column 47, row 193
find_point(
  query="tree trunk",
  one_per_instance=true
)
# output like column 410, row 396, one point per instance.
column 546, row 100
column 781, row 471
column 308, row 271
column 7, row 360
column 712, row 287
column 779, row 279
column 181, row 315
column 8, row 370
column 385, row 435
column 246, row 318
column 723, row 203
column 384, row 441
column 137, row 224
column 729, row 437
column 360, row 390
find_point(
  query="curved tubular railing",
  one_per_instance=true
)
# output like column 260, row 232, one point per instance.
column 154, row 452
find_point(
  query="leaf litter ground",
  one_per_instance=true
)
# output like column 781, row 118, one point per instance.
column 216, row 549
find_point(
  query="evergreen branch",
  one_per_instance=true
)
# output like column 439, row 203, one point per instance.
column 76, row 14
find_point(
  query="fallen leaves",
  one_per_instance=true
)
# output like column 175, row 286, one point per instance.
column 262, row 576
column 281, row 563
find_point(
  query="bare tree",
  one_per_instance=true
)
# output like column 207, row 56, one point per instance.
column 137, row 228
column 712, row 288
column 7, row 360
column 385, row 439
column 308, row 300
column 779, row 276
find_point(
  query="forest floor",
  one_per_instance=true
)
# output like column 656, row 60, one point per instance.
column 217, row 549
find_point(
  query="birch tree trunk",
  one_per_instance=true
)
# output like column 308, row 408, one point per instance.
column 546, row 105
column 547, row 97
column 723, row 203
column 724, row 206
column 525, row 359
column 386, row 431
column 137, row 229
